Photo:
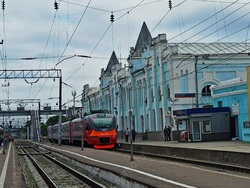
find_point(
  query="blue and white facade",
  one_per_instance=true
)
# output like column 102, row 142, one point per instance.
column 233, row 94
column 162, row 77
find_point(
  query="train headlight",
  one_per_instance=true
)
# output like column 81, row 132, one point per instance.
column 113, row 137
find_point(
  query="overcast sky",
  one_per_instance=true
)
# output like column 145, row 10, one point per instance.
column 34, row 29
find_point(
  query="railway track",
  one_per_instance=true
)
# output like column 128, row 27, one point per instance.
column 53, row 172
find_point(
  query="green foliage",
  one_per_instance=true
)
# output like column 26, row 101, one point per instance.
column 28, row 124
column 44, row 129
column 55, row 119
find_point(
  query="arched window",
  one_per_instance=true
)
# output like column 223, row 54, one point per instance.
column 206, row 91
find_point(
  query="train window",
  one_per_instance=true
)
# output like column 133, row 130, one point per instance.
column 101, row 115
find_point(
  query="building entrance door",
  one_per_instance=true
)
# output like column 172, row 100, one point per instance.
column 196, row 127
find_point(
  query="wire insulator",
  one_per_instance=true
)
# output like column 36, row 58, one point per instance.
column 170, row 4
column 3, row 5
column 112, row 17
column 56, row 5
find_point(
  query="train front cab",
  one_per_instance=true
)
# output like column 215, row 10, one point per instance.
column 99, row 131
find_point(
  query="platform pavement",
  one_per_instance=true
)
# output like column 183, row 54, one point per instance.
column 229, row 145
column 234, row 146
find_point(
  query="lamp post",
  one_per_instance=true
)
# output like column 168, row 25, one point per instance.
column 131, row 141
column 132, row 51
column 60, row 81
column 59, row 129
column 74, row 101
column 82, row 139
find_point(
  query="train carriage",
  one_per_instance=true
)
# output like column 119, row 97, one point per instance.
column 76, row 128
column 64, row 132
column 97, row 130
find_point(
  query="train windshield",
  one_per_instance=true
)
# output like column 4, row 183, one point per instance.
column 102, row 122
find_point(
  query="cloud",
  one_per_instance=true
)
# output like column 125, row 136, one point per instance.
column 35, row 29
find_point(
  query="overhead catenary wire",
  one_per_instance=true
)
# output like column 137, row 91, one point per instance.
column 102, row 38
column 95, row 47
column 204, row 20
column 192, row 38
column 68, row 42
column 75, row 30
column 42, row 58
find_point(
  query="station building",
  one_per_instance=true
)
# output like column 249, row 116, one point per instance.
column 162, row 77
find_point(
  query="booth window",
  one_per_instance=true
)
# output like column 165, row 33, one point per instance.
column 206, row 127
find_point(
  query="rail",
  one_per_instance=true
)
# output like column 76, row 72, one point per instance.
column 50, row 182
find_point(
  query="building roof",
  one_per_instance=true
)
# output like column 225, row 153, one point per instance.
column 144, row 38
column 185, row 112
column 211, row 48
column 112, row 61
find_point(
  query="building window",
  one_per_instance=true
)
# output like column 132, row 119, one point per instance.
column 152, row 95
column 161, row 111
column 219, row 103
column 168, row 91
column 206, row 91
column 159, row 92
column 157, row 60
column 184, row 82
column 206, row 127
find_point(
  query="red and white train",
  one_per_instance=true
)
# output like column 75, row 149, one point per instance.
column 97, row 130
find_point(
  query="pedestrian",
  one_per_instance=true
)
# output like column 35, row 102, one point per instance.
column 169, row 129
column 126, row 132
column 133, row 134
column 165, row 132
column 6, row 142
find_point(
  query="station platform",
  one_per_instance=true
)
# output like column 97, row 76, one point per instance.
column 230, row 145
column 235, row 153
column 229, row 152
column 11, row 172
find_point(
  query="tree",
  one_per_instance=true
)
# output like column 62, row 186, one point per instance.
column 44, row 129
column 54, row 120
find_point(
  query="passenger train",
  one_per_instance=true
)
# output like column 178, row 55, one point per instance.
column 97, row 130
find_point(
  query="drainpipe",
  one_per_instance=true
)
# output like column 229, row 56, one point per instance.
column 196, row 82
column 119, row 81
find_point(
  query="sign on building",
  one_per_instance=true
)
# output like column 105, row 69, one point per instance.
column 235, row 109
